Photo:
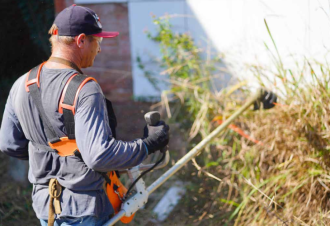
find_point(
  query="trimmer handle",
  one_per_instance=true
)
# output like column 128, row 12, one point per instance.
column 152, row 118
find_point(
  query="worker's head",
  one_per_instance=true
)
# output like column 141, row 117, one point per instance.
column 78, row 30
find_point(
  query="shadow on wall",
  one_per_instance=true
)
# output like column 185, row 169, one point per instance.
column 183, row 20
column 223, row 76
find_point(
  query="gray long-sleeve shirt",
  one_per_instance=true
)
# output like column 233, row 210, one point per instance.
column 22, row 136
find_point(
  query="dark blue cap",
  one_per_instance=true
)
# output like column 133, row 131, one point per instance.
column 75, row 20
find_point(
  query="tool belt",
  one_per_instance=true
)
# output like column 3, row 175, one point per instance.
column 67, row 146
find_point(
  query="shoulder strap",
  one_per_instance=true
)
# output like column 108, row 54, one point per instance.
column 32, row 85
column 112, row 118
column 68, row 101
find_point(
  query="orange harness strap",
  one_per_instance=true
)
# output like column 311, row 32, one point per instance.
column 67, row 106
column 67, row 146
column 34, row 80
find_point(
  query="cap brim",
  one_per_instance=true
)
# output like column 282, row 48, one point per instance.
column 107, row 34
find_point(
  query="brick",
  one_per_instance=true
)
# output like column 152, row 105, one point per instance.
column 59, row 5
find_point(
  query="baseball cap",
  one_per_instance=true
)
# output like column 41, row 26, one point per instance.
column 75, row 20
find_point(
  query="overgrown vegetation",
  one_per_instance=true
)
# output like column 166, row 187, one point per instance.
column 277, row 172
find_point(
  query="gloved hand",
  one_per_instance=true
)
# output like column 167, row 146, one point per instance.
column 156, row 137
column 267, row 99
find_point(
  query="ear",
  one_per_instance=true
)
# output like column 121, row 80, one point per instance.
column 81, row 41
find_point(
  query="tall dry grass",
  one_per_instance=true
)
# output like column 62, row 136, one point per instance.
column 284, row 180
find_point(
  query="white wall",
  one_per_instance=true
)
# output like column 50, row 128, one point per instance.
column 236, row 28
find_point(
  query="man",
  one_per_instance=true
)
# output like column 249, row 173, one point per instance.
column 32, row 115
